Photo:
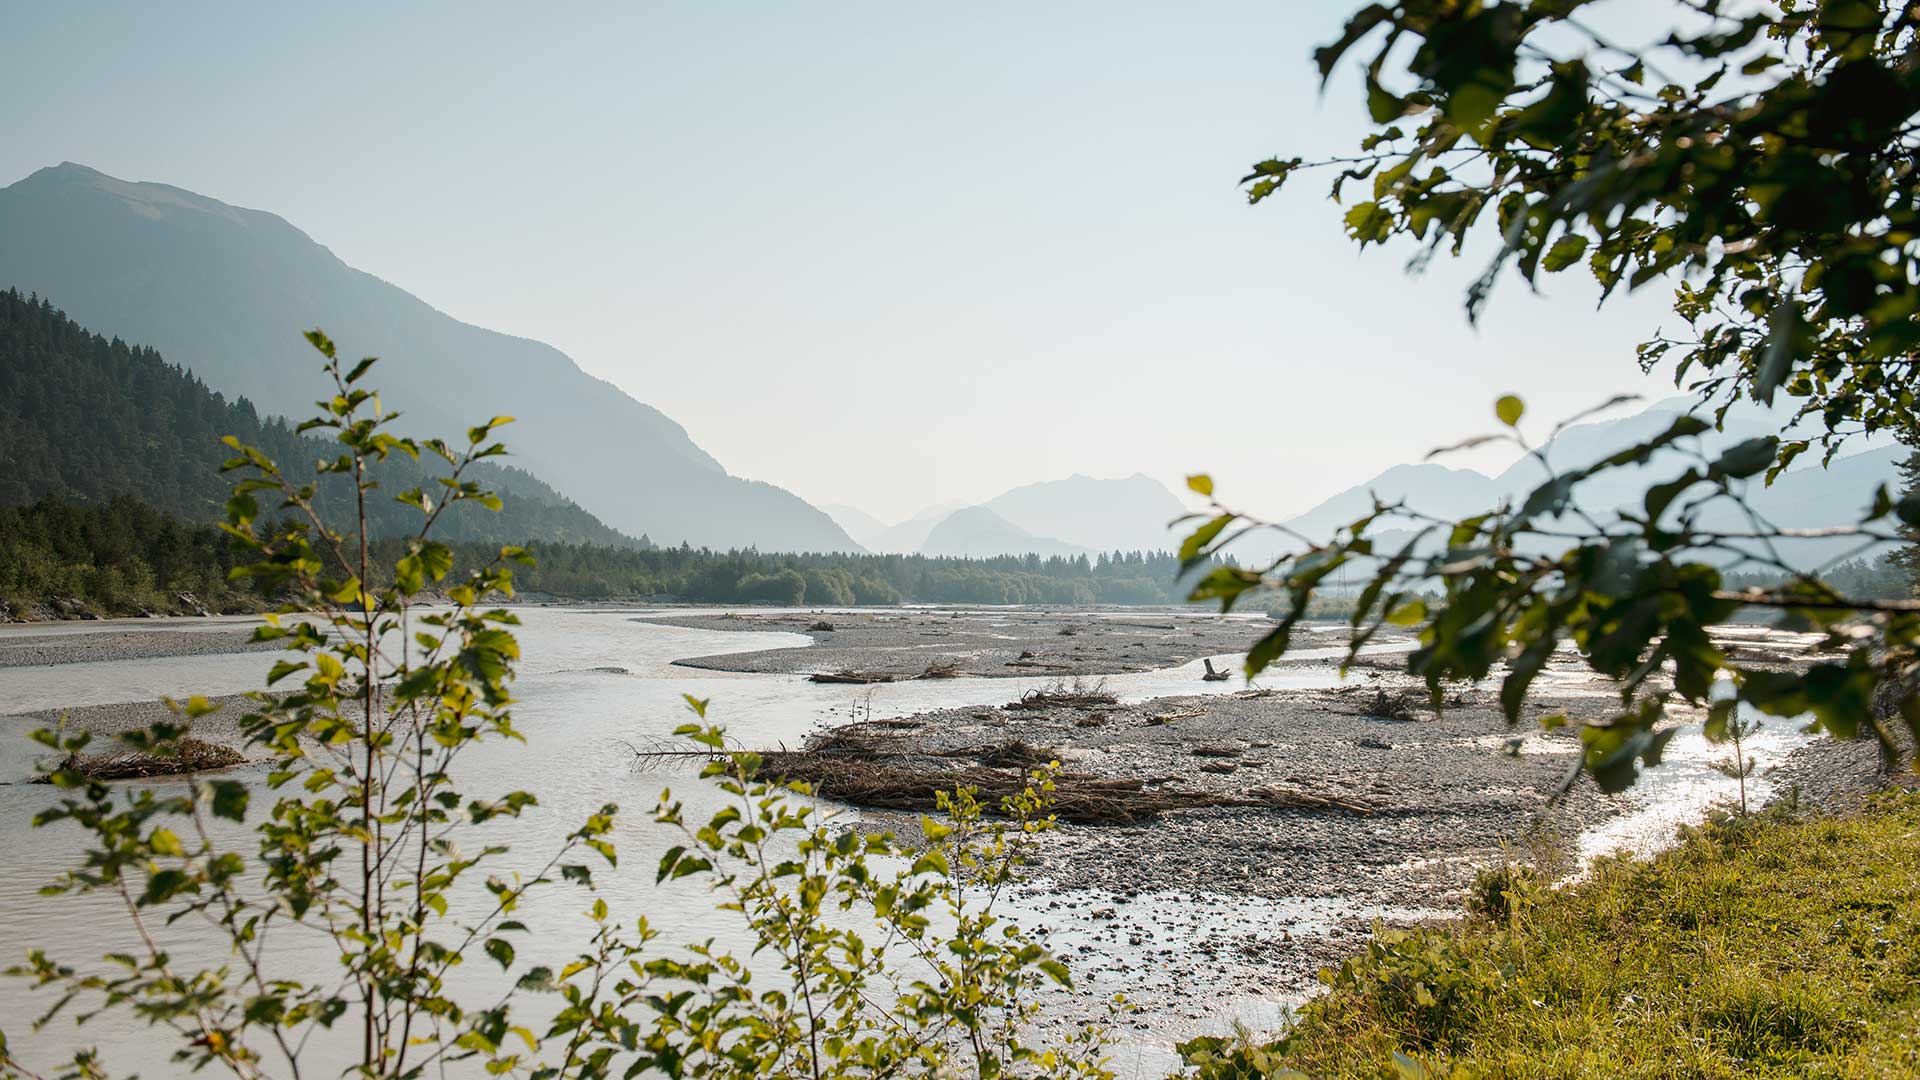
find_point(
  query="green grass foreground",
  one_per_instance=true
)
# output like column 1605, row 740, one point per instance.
column 1773, row 947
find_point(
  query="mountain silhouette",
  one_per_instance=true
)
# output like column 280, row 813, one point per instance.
column 226, row 292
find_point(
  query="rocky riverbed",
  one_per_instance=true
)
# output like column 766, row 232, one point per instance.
column 979, row 642
column 1377, row 799
column 1375, row 807
column 1250, row 902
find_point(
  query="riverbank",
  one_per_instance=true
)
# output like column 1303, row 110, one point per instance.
column 1781, row 946
column 1360, row 792
column 1373, row 817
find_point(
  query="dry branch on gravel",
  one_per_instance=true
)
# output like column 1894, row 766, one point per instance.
column 1400, row 705
column 852, row 677
column 1075, row 695
column 943, row 668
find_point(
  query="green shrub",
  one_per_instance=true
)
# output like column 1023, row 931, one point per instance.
column 1500, row 892
column 1419, row 982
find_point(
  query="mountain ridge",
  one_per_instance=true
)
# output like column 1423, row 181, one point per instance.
column 225, row 291
column 1806, row 497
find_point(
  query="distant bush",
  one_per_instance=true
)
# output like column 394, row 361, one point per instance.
column 829, row 586
column 785, row 586
column 867, row 590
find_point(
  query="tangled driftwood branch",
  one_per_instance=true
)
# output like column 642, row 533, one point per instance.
column 861, row 766
column 1076, row 694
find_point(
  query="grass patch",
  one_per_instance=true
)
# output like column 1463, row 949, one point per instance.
column 1771, row 947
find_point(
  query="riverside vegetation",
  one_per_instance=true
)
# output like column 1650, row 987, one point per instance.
column 126, row 558
column 1768, row 946
column 368, row 836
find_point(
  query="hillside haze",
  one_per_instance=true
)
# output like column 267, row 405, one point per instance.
column 978, row 533
column 226, row 292
column 1052, row 517
column 1127, row 514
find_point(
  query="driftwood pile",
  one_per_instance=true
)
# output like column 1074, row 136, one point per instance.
column 859, row 764
column 942, row 668
column 190, row 755
column 1069, row 695
column 853, row 677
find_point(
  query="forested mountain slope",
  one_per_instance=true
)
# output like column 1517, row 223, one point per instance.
column 85, row 419
column 226, row 291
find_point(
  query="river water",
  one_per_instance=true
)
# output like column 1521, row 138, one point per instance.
column 593, row 683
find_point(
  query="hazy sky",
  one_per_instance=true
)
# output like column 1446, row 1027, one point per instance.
column 883, row 254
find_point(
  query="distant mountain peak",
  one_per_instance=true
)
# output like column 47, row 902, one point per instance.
column 1122, row 514
column 1078, row 513
column 977, row 532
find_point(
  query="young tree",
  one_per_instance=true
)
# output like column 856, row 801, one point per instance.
column 871, row 959
column 1758, row 161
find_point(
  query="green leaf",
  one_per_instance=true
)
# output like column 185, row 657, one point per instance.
column 502, row 952
column 668, row 861
column 1783, row 343
column 1509, row 409
column 228, row 799
column 1200, row 484
column 1192, row 546
column 1747, row 458
column 1565, row 251
column 1411, row 613
column 1327, row 56
column 1383, row 107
